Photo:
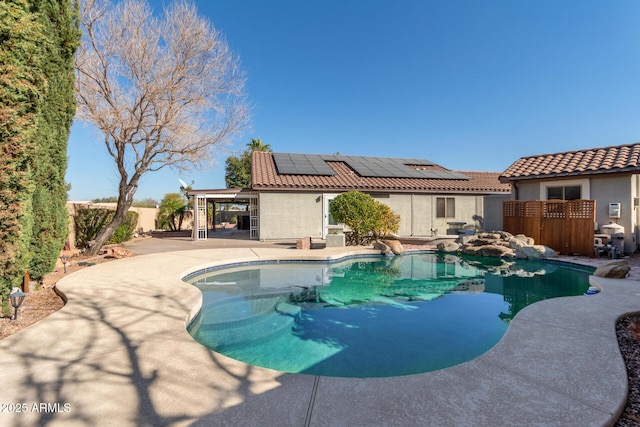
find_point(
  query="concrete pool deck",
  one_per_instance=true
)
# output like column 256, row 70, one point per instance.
column 119, row 354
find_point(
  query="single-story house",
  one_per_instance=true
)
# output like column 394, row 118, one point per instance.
column 291, row 193
column 608, row 175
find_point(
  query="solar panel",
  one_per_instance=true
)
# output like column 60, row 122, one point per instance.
column 372, row 167
column 385, row 167
column 301, row 164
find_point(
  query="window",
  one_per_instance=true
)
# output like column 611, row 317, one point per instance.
column 564, row 193
column 445, row 207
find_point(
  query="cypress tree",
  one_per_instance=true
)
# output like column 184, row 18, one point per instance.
column 59, row 21
column 22, row 84
column 37, row 103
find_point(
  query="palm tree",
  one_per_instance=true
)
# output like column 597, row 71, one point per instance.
column 257, row 145
column 172, row 212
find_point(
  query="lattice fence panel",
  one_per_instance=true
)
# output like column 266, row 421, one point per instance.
column 566, row 226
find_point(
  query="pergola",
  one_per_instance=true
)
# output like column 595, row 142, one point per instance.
column 203, row 198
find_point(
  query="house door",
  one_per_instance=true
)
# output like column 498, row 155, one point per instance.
column 327, row 218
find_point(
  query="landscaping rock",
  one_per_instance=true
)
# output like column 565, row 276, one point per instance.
column 498, row 244
column 394, row 245
column 616, row 269
column 535, row 252
column 483, row 241
column 448, row 247
column 520, row 241
column 464, row 239
column 471, row 250
column 378, row 245
column 496, row 251
column 494, row 235
column 119, row 253
column 493, row 251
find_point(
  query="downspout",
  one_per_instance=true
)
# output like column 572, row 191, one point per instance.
column 412, row 216
column 432, row 214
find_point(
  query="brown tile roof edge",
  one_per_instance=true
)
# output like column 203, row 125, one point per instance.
column 612, row 159
column 265, row 177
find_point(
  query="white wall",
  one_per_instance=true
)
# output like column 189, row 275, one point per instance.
column 290, row 215
column 287, row 215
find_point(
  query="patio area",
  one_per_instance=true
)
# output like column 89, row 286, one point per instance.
column 118, row 353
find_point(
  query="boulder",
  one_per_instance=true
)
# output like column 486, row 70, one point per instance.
column 471, row 250
column 505, row 235
column 463, row 240
column 494, row 235
column 394, row 245
column 492, row 251
column 119, row 253
column 448, row 247
column 496, row 251
column 616, row 269
column 379, row 245
column 535, row 252
column 483, row 241
column 519, row 241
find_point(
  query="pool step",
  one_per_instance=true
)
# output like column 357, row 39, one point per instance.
column 239, row 309
column 280, row 316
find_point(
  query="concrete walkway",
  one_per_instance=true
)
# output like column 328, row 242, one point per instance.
column 118, row 354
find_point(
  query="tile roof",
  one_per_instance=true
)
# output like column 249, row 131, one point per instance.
column 265, row 176
column 614, row 159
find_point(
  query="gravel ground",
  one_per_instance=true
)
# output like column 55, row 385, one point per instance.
column 42, row 299
column 628, row 330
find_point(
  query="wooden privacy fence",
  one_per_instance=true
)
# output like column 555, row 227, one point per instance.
column 563, row 225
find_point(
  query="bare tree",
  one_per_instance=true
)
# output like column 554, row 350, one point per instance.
column 162, row 91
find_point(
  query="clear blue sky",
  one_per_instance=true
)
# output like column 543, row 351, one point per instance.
column 470, row 85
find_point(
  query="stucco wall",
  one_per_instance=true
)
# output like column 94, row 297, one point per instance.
column 526, row 191
column 493, row 211
column 418, row 212
column 604, row 189
column 287, row 215
column 615, row 189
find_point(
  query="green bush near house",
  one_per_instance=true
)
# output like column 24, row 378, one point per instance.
column 366, row 217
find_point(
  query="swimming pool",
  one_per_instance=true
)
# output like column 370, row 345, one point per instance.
column 374, row 316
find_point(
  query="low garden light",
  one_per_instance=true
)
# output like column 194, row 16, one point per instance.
column 64, row 258
column 16, row 297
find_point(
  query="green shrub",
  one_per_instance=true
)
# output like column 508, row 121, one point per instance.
column 89, row 223
column 366, row 217
column 385, row 221
column 125, row 230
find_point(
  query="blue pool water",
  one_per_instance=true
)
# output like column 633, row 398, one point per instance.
column 373, row 317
